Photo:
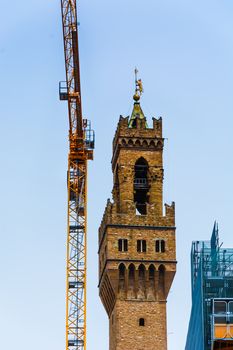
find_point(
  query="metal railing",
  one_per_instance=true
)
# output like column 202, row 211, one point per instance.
column 140, row 183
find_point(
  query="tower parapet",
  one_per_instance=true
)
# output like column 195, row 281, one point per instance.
column 111, row 217
column 138, row 136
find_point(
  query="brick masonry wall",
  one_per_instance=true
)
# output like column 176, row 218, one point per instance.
column 125, row 332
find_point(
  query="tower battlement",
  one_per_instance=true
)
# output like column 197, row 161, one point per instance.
column 111, row 218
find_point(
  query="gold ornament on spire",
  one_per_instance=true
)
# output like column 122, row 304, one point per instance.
column 138, row 87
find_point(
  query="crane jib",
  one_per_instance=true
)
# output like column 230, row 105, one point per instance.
column 77, row 85
column 81, row 145
column 76, row 62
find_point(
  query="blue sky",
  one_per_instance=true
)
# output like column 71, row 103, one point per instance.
column 184, row 53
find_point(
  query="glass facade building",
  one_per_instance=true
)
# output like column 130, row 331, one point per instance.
column 211, row 320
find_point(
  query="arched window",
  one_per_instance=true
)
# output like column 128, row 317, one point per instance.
column 161, row 280
column 131, row 274
column 151, row 281
column 141, row 282
column 131, row 282
column 151, row 273
column 122, row 271
column 141, row 273
column 121, row 276
column 141, row 322
column 141, row 185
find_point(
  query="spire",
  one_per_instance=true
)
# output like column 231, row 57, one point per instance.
column 137, row 112
column 215, row 237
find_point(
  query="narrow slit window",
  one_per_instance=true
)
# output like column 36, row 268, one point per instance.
column 120, row 245
column 141, row 322
column 162, row 246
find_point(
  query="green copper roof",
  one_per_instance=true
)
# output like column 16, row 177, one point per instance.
column 136, row 113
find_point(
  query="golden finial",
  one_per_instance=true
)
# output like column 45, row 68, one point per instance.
column 138, row 87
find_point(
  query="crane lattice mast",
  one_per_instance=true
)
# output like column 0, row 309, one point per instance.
column 81, row 144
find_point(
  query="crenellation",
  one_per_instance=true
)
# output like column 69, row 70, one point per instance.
column 111, row 217
column 158, row 126
column 170, row 213
column 122, row 125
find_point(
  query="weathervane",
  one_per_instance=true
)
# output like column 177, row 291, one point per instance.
column 138, row 87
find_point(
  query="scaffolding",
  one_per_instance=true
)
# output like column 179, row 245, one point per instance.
column 211, row 321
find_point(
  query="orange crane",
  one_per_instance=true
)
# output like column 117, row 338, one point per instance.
column 81, row 145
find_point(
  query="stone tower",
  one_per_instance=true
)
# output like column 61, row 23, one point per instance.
column 137, row 254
